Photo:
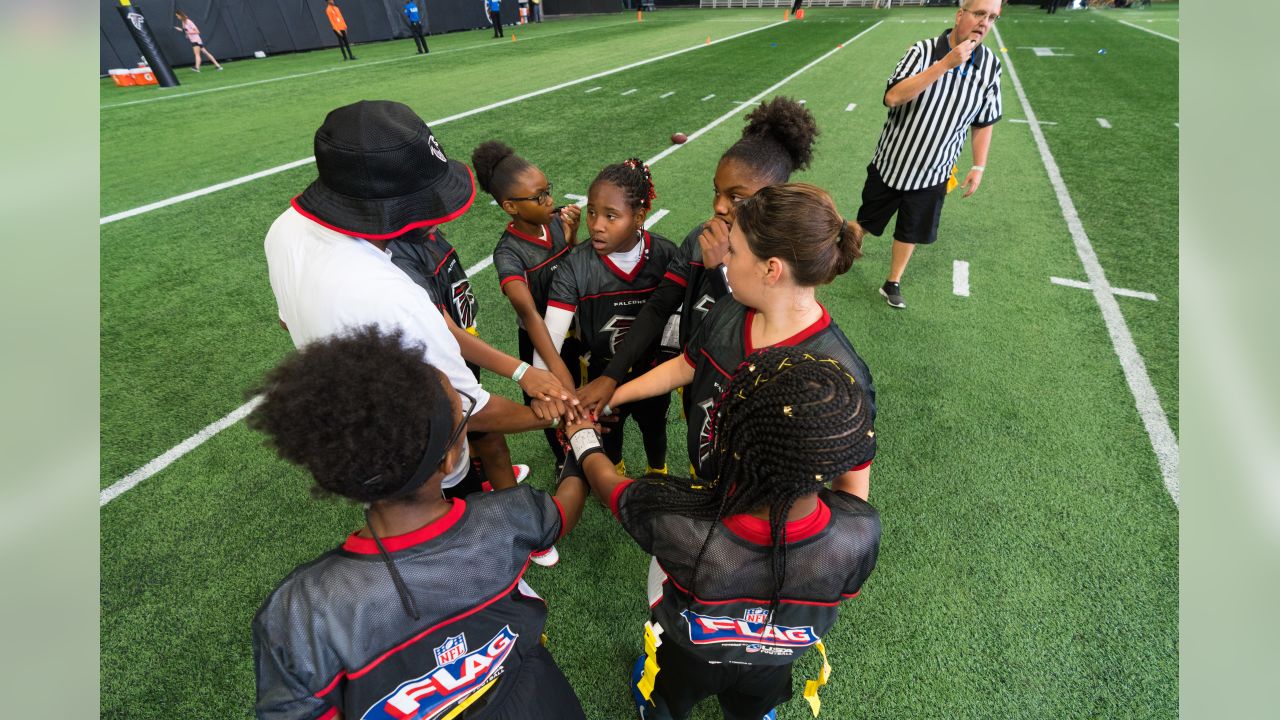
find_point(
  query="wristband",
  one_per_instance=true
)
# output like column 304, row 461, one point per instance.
column 979, row 168
column 585, row 443
column 520, row 371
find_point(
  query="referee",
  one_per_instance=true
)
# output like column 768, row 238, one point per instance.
column 941, row 87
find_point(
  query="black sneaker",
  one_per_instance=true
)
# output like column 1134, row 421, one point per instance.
column 892, row 293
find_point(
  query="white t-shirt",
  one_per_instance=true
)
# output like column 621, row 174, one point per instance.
column 326, row 283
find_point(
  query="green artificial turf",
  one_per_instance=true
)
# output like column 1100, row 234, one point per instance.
column 1028, row 567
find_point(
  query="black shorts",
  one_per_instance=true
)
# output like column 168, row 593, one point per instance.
column 197, row 45
column 744, row 691
column 918, row 210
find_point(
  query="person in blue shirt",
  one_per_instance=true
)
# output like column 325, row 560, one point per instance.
column 495, row 8
column 415, row 25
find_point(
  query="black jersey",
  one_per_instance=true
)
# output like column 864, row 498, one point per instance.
column 431, row 261
column 830, row 553
column 702, row 286
column 531, row 260
column 723, row 341
column 607, row 300
column 334, row 636
column 688, row 289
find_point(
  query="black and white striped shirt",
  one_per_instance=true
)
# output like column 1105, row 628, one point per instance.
column 922, row 139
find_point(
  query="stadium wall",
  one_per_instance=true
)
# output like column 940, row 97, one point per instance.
column 234, row 29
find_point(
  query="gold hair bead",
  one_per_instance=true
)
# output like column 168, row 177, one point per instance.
column 736, row 456
column 786, row 410
column 751, row 367
column 818, row 477
column 871, row 433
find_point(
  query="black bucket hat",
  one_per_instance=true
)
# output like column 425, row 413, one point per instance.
column 382, row 174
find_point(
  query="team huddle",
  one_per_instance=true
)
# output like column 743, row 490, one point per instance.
column 424, row 612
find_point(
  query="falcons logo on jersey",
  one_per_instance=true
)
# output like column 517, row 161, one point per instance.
column 704, row 435
column 704, row 304
column 464, row 304
column 618, row 326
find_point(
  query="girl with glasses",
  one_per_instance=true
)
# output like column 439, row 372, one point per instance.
column 532, row 246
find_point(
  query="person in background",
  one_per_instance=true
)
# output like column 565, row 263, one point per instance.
column 537, row 10
column 494, row 8
column 414, row 18
column 524, row 12
column 193, row 37
column 339, row 25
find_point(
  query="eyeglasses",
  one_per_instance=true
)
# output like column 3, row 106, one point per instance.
column 542, row 197
column 982, row 15
column 457, row 432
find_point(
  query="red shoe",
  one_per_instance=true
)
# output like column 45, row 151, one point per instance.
column 520, row 471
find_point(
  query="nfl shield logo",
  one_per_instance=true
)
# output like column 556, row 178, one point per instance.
column 452, row 649
column 756, row 615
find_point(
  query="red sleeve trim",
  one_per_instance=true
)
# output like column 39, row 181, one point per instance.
column 562, row 306
column 676, row 279
column 616, row 496
column 855, row 594
column 513, row 278
column 333, row 712
column 559, row 509
column 689, row 359
column 863, row 466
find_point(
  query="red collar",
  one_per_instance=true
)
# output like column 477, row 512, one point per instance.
column 756, row 530
column 635, row 271
column 430, row 531
column 539, row 241
column 818, row 326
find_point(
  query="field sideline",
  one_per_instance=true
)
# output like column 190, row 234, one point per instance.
column 1029, row 565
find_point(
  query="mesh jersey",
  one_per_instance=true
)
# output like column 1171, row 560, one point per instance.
column 723, row 341
column 830, row 553
column 334, row 636
column 531, row 260
column 606, row 300
column 702, row 287
column 433, row 264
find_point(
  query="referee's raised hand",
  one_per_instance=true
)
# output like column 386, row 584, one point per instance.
column 959, row 54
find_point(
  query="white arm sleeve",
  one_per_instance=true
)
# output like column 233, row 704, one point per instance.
column 558, row 321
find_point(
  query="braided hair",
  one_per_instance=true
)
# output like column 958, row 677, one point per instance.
column 497, row 166
column 789, row 422
column 633, row 178
column 777, row 141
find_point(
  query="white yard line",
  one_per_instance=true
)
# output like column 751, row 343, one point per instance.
column 1104, row 124
column 655, row 217
column 591, row 90
column 628, row 92
column 960, row 278
column 196, row 440
column 1153, row 32
column 1163, row 442
column 666, row 95
column 1027, row 122
column 434, row 123
column 1082, row 285
column 708, row 97
column 131, row 480
column 340, row 68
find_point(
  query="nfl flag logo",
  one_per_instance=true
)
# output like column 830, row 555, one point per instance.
column 452, row 649
column 756, row 615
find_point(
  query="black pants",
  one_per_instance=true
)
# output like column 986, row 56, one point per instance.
column 796, row 6
column 418, row 40
column 496, row 18
column 1053, row 6
column 650, row 415
column 343, row 45
column 745, row 692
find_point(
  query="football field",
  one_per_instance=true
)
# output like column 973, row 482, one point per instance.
column 1028, row 396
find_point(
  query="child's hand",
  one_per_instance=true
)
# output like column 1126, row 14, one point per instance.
column 570, row 215
column 596, row 394
column 582, row 423
column 714, row 241
column 541, row 384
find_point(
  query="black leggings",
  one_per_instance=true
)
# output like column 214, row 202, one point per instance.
column 650, row 415
column 418, row 40
column 343, row 45
column 496, row 18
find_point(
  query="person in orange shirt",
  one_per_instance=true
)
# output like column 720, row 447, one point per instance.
column 340, row 29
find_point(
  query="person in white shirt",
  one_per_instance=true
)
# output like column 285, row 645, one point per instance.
column 382, row 173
